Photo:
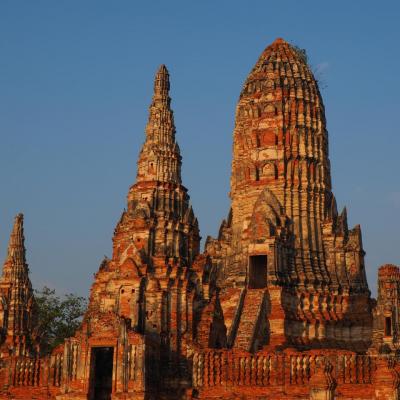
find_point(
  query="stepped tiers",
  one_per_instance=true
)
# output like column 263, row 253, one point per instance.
column 283, row 231
column 277, row 306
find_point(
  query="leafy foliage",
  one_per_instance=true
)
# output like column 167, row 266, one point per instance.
column 58, row 318
column 317, row 71
column 302, row 53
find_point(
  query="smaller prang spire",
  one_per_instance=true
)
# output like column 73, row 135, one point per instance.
column 160, row 158
column 16, row 295
column 161, row 84
column 16, row 245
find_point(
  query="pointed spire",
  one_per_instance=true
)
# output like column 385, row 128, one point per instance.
column 160, row 158
column 16, row 292
column 160, row 126
column 16, row 246
column 161, row 83
column 157, row 201
column 15, row 268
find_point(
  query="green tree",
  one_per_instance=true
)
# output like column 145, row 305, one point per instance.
column 58, row 317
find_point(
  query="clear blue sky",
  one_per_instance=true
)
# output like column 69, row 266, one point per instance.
column 76, row 81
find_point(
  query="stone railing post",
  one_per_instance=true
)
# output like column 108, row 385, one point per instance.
column 386, row 380
column 322, row 383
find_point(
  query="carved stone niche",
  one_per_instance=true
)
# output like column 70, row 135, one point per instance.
column 270, row 170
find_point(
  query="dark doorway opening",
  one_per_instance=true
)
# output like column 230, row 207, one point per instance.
column 102, row 368
column 257, row 272
column 388, row 326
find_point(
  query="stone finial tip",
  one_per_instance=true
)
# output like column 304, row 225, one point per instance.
column 280, row 41
column 162, row 69
column 161, row 81
column 19, row 219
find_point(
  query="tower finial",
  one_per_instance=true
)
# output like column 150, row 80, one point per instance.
column 16, row 247
column 161, row 83
column 279, row 40
column 160, row 158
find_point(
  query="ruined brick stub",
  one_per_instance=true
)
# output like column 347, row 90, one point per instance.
column 386, row 312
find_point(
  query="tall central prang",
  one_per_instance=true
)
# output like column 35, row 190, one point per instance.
column 284, row 253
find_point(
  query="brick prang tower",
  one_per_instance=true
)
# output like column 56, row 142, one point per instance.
column 284, row 253
column 17, row 305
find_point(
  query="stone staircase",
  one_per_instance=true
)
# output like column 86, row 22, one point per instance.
column 249, row 320
column 231, row 301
